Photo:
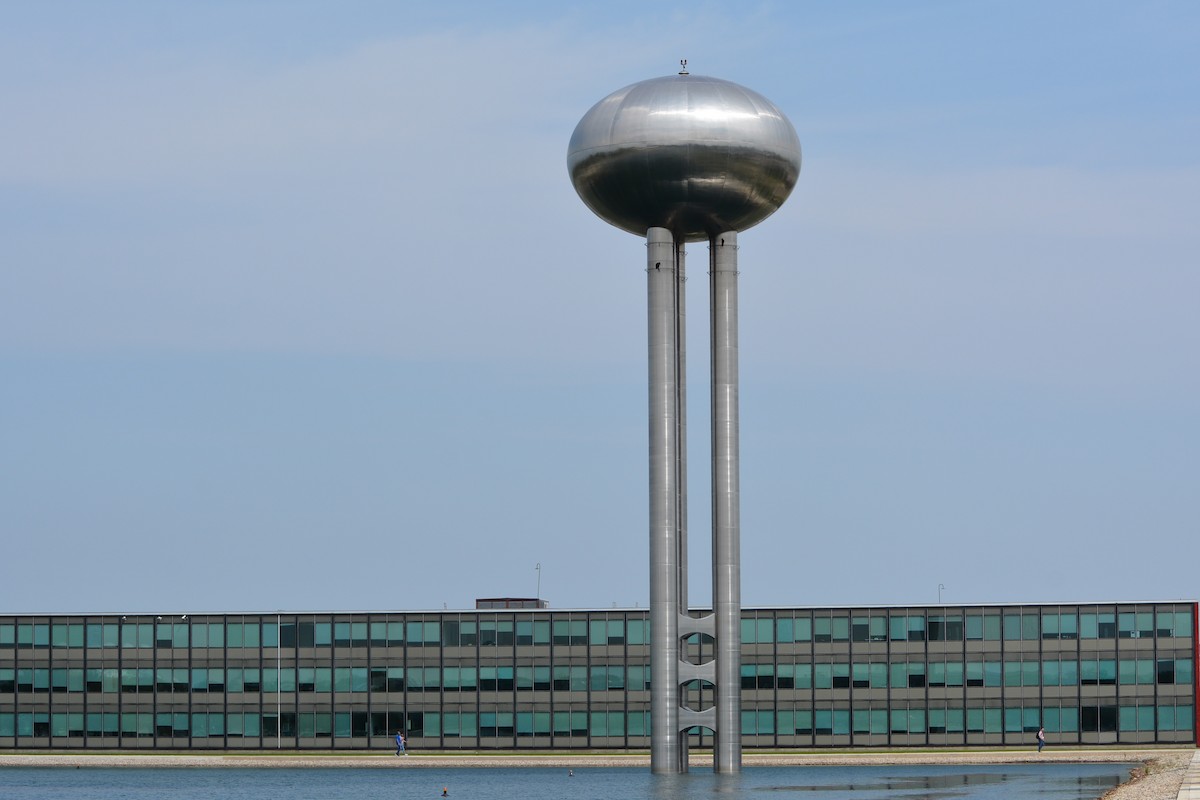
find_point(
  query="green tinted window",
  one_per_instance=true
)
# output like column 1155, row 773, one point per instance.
column 75, row 634
column 216, row 634
column 992, row 673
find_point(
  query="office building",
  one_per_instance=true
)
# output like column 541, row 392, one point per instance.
column 550, row 679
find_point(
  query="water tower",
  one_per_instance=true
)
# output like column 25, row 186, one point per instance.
column 678, row 159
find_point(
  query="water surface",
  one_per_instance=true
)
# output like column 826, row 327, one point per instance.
column 991, row 782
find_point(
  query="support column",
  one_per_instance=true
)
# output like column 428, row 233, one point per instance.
column 681, row 422
column 661, row 294
column 681, row 515
column 727, row 585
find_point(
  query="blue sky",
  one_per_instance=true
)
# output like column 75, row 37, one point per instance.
column 299, row 310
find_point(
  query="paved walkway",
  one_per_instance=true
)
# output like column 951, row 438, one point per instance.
column 1190, row 790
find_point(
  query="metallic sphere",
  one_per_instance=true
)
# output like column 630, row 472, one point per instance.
column 696, row 155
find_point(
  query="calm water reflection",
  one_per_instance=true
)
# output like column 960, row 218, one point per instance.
column 1011, row 782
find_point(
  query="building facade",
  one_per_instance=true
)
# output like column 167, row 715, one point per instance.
column 549, row 679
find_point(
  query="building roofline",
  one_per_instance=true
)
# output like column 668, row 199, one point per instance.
column 179, row 614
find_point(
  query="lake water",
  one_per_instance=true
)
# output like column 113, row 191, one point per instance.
column 995, row 782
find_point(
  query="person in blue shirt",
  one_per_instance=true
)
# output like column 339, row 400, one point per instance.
column 400, row 743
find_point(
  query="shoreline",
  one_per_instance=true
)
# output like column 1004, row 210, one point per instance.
column 699, row 761
column 1158, row 773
